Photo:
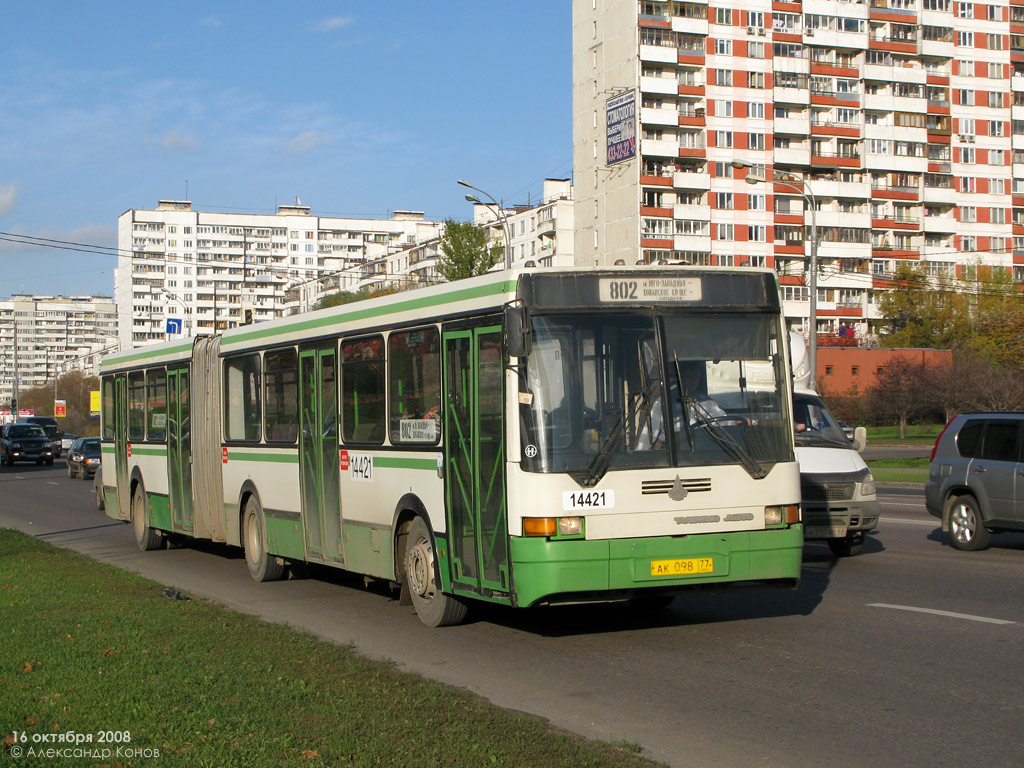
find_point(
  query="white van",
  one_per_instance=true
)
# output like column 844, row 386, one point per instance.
column 839, row 504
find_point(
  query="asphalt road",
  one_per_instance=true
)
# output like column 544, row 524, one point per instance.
column 908, row 654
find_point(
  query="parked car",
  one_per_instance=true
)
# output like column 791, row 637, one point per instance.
column 974, row 485
column 24, row 442
column 67, row 440
column 84, row 457
column 50, row 427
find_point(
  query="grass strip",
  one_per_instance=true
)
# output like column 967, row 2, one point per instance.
column 916, row 434
column 89, row 648
column 920, row 462
column 884, row 476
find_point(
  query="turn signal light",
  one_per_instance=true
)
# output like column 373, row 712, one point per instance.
column 538, row 526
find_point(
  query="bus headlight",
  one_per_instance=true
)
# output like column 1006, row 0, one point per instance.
column 789, row 514
column 570, row 526
column 552, row 526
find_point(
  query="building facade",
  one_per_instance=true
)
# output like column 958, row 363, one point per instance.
column 182, row 272
column 894, row 128
column 44, row 337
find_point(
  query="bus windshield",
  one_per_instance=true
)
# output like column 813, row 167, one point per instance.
column 615, row 391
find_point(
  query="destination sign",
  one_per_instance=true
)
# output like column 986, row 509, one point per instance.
column 650, row 289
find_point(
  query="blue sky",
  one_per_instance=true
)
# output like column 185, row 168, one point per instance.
column 358, row 108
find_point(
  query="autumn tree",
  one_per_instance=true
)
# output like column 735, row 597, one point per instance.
column 464, row 251
column 901, row 392
column 923, row 311
column 74, row 388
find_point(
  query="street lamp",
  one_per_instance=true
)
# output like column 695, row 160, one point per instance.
column 804, row 191
column 500, row 216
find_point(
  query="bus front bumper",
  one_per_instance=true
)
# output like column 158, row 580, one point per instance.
column 553, row 571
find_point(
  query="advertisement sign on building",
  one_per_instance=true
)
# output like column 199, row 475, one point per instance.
column 94, row 402
column 60, row 408
column 621, row 124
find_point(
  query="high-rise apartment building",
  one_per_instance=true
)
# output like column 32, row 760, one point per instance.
column 182, row 272
column 895, row 127
column 45, row 337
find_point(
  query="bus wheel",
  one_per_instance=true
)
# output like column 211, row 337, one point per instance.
column 100, row 501
column 435, row 608
column 262, row 565
column 145, row 537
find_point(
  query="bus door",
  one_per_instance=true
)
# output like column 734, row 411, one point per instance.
column 474, row 458
column 318, row 451
column 179, row 450
column 124, row 501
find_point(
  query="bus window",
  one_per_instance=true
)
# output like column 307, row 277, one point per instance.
column 136, row 406
column 281, row 411
column 107, row 407
column 242, row 398
column 156, row 404
column 415, row 386
column 362, row 390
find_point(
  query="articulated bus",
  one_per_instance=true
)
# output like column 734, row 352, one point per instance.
column 526, row 437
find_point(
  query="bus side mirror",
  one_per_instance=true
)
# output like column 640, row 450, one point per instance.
column 517, row 330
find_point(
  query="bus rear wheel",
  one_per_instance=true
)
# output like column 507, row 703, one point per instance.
column 147, row 538
column 434, row 608
column 263, row 566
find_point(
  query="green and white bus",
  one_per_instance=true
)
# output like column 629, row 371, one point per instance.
column 525, row 437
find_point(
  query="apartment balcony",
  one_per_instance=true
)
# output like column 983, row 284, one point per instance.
column 666, row 86
column 662, row 54
column 689, row 26
column 692, row 212
column 939, row 195
column 692, row 180
column 668, row 116
column 791, row 95
column 842, row 219
column 833, row 250
column 659, row 147
column 909, row 104
column 692, row 243
column 791, row 156
column 824, row 188
column 800, row 126
column 940, row 224
column 896, row 163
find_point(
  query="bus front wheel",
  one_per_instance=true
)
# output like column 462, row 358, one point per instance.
column 262, row 565
column 147, row 538
column 434, row 608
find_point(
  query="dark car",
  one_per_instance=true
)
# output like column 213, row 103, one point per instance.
column 84, row 457
column 25, row 442
column 974, row 480
column 50, row 427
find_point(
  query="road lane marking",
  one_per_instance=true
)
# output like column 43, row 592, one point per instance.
column 950, row 614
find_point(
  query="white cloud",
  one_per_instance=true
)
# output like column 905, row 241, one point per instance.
column 307, row 142
column 333, row 23
column 175, row 140
column 210, row 21
column 8, row 195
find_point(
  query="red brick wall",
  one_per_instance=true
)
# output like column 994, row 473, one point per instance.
column 843, row 370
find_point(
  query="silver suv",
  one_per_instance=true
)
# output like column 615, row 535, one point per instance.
column 976, row 478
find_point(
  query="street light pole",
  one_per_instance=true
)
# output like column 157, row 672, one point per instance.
column 501, row 217
column 812, row 279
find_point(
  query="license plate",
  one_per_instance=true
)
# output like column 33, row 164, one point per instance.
column 684, row 567
column 825, row 532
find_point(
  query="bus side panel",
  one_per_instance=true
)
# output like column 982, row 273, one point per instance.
column 151, row 462
column 274, row 473
column 371, row 488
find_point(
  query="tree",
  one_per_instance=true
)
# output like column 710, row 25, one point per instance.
column 74, row 388
column 338, row 298
column 922, row 311
column 464, row 251
column 901, row 392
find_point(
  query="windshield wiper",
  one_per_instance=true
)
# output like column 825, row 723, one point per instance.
column 726, row 441
column 593, row 473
